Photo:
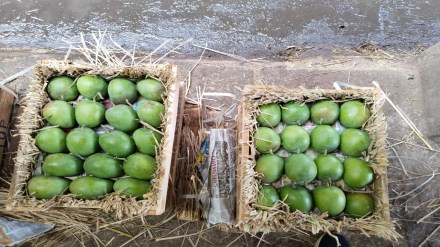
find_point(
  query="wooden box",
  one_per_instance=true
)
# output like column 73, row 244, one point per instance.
column 253, row 220
column 154, row 202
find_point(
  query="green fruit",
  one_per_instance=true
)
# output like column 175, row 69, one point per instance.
column 62, row 88
column 266, row 140
column 60, row 113
column 329, row 199
column 90, row 188
column 329, row 167
column 147, row 140
column 324, row 112
column 295, row 139
column 62, row 165
column 47, row 187
column 268, row 196
column 117, row 143
column 354, row 142
column 82, row 142
column 51, row 140
column 357, row 173
column 295, row 113
column 359, row 205
column 271, row 166
column 354, row 114
column 270, row 115
column 151, row 89
column 300, row 168
column 122, row 90
column 92, row 87
column 122, row 117
column 151, row 112
column 324, row 139
column 103, row 166
column 140, row 166
column 297, row 198
column 89, row 113
column 132, row 187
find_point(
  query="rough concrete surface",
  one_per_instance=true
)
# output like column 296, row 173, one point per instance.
column 241, row 27
column 410, row 82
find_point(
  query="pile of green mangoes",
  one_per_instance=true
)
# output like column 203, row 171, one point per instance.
column 93, row 142
column 319, row 161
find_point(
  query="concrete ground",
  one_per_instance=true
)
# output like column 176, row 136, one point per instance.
column 247, row 28
column 411, row 82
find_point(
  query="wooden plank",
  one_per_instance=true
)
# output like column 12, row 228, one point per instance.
column 164, row 177
column 6, row 104
column 171, row 195
column 242, row 156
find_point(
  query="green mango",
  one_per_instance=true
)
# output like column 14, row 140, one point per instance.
column 295, row 139
column 267, row 197
column 89, row 113
column 140, row 166
column 330, row 199
column 293, row 113
column 300, row 168
column 329, row 167
column 47, row 187
column 357, row 173
column 51, row 140
column 92, row 87
column 120, row 90
column 354, row 114
column 103, row 166
column 324, row 112
column 151, row 112
column 271, row 166
column 62, row 165
column 132, row 187
column 60, row 113
column 297, row 198
column 266, row 140
column 270, row 115
column 123, row 118
column 90, row 188
column 324, row 139
column 354, row 142
column 62, row 88
column 147, row 140
column 359, row 205
column 82, row 142
column 151, row 89
column 117, row 143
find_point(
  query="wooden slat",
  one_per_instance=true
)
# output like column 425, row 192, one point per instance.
column 6, row 104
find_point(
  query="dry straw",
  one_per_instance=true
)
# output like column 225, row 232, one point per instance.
column 251, row 220
column 104, row 62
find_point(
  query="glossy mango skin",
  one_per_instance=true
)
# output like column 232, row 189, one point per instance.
column 62, row 165
column 92, row 87
column 90, row 188
column 121, row 90
column 151, row 89
column 51, row 140
column 62, row 88
column 132, row 187
column 123, row 118
column 147, row 140
column 47, row 187
column 141, row 166
column 117, row 143
column 103, row 166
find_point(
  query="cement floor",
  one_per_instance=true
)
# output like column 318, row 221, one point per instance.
column 411, row 81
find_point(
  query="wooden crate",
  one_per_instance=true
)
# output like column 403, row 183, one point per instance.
column 31, row 120
column 252, row 220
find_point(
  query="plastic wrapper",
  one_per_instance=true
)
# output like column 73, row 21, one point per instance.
column 15, row 232
column 218, row 176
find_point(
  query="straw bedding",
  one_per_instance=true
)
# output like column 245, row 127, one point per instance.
column 273, row 219
column 31, row 121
